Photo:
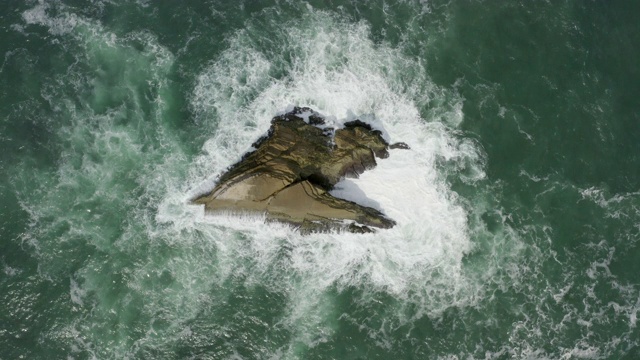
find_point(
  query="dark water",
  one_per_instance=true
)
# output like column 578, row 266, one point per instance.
column 518, row 206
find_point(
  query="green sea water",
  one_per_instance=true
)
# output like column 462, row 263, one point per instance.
column 518, row 205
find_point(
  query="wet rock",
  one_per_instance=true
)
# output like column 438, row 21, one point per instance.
column 399, row 145
column 289, row 175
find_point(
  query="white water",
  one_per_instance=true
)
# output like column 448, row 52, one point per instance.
column 339, row 72
column 119, row 188
column 336, row 70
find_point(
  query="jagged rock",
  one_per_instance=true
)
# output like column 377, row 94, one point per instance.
column 399, row 145
column 289, row 175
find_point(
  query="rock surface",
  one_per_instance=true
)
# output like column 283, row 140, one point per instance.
column 289, row 175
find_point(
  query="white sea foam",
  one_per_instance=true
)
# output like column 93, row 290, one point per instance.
column 56, row 25
column 336, row 69
column 77, row 293
column 339, row 72
column 10, row 271
column 110, row 150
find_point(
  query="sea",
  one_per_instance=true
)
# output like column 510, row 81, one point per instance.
column 517, row 206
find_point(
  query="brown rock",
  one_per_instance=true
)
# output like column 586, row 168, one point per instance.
column 294, row 166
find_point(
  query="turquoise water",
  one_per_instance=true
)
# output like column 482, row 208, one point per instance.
column 518, row 206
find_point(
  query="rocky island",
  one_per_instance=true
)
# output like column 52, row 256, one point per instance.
column 292, row 169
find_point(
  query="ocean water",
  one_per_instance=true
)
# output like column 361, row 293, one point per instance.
column 518, row 205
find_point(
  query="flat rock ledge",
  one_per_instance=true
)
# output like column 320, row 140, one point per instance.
column 292, row 169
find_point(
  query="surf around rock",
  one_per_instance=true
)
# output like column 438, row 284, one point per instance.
column 292, row 169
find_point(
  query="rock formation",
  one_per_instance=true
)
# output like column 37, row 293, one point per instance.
column 289, row 175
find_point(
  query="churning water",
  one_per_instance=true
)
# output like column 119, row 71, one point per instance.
column 518, row 205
